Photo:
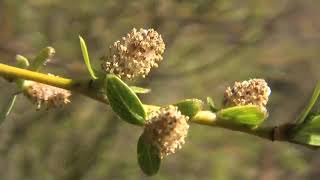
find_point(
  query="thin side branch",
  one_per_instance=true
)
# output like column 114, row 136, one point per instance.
column 11, row 72
column 86, row 87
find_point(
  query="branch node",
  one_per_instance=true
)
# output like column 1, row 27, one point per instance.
column 282, row 133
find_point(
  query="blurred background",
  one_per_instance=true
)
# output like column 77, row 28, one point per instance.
column 209, row 45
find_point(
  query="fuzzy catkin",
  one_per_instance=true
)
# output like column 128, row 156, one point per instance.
column 251, row 92
column 166, row 130
column 135, row 54
column 45, row 95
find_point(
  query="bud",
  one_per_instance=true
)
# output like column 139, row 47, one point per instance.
column 308, row 132
column 48, row 96
column 251, row 92
column 135, row 54
column 166, row 130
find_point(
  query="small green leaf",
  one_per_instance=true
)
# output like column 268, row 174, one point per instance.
column 86, row 58
column 124, row 101
column 41, row 59
column 22, row 62
column 309, row 132
column 7, row 108
column 140, row 90
column 314, row 98
column 211, row 104
column 190, row 107
column 246, row 115
column 148, row 157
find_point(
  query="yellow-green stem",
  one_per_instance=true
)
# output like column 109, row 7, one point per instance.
column 13, row 72
column 276, row 133
column 209, row 118
column 85, row 87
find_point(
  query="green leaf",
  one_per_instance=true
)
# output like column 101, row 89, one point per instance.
column 7, row 108
column 211, row 104
column 247, row 115
column 309, row 132
column 22, row 62
column 314, row 98
column 40, row 60
column 124, row 101
column 190, row 107
column 85, row 55
column 140, row 90
column 148, row 157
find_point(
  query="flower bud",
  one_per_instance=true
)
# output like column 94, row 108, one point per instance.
column 251, row 92
column 45, row 95
column 166, row 129
column 135, row 54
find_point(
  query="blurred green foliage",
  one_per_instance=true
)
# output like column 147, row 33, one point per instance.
column 209, row 44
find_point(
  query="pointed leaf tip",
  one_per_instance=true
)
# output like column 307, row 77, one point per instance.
column 86, row 58
column 124, row 101
column 211, row 104
column 140, row 90
column 42, row 58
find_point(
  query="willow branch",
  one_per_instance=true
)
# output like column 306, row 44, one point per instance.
column 92, row 89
